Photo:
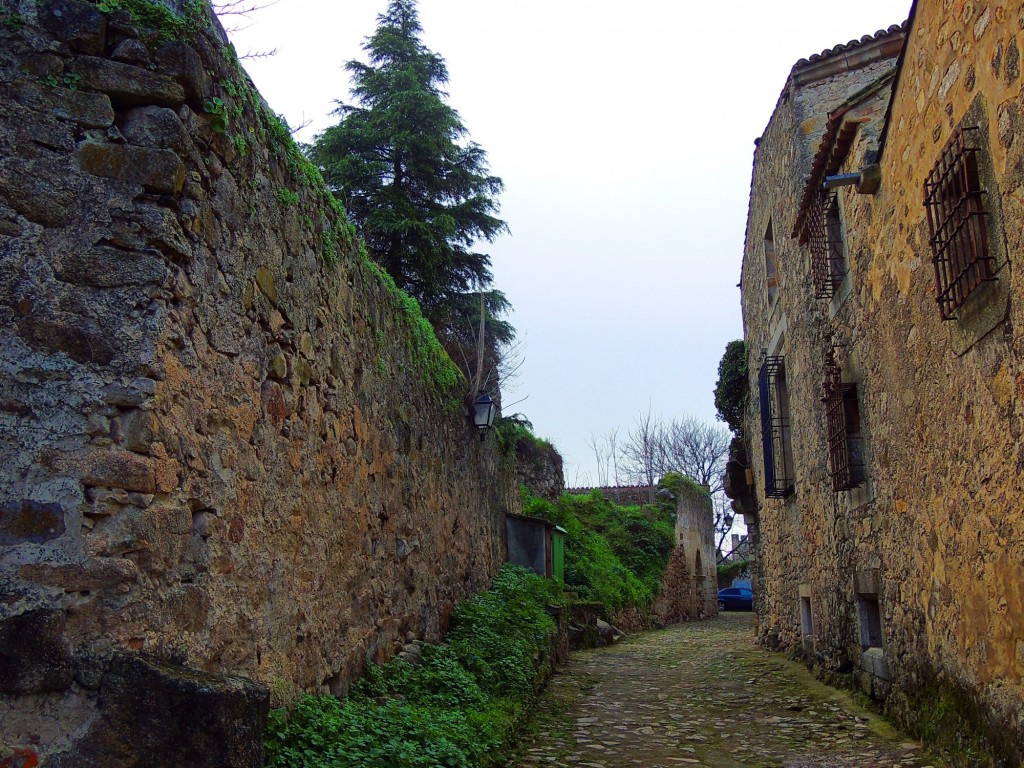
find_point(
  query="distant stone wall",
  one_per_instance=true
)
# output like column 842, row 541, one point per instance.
column 539, row 468
column 626, row 495
column 226, row 450
column 689, row 588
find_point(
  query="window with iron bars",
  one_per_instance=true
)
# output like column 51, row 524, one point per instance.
column 954, row 200
column 845, row 443
column 775, row 432
column 828, row 250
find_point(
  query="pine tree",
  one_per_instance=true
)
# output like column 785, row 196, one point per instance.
column 419, row 193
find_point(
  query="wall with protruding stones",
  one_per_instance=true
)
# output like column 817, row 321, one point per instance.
column 232, row 460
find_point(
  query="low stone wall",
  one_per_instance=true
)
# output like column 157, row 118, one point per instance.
column 228, row 449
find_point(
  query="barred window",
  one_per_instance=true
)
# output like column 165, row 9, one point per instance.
column 954, row 200
column 775, row 432
column 845, row 443
column 828, row 250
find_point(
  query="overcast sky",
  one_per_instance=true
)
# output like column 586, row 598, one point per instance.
column 624, row 133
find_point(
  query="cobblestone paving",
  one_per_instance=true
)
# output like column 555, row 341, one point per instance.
column 702, row 694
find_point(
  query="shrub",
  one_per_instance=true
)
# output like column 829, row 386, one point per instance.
column 455, row 709
column 613, row 555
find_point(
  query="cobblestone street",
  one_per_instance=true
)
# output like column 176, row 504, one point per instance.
column 702, row 694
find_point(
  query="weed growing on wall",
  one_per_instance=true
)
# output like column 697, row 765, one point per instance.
column 613, row 555
column 456, row 708
column 428, row 354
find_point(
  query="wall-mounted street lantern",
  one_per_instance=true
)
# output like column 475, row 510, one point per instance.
column 484, row 410
column 727, row 520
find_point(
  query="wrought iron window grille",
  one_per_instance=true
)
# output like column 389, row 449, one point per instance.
column 778, row 476
column 845, row 443
column 955, row 203
column 828, row 249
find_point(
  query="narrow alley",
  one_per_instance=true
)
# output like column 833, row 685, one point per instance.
column 702, row 694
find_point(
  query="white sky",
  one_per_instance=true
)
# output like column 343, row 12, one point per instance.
column 624, row 134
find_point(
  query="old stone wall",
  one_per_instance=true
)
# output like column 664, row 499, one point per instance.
column 932, row 541
column 230, row 447
column 689, row 587
column 539, row 468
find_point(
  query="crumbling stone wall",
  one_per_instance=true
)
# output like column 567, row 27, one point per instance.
column 539, row 468
column 936, row 531
column 232, row 460
column 689, row 587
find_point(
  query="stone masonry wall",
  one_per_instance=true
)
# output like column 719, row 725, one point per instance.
column 936, row 530
column 228, row 449
column 689, row 587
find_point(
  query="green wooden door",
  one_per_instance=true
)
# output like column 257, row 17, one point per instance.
column 558, row 554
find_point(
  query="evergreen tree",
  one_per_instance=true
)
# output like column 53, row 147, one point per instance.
column 420, row 195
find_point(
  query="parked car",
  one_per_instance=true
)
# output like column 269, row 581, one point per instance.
column 735, row 599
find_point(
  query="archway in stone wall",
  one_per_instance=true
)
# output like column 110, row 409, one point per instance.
column 698, row 586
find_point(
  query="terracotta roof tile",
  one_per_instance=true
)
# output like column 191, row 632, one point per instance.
column 845, row 48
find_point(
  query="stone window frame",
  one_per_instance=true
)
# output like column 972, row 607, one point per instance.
column 954, row 199
column 776, row 437
column 845, row 437
column 868, row 589
column 827, row 244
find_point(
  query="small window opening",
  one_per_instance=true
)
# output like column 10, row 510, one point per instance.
column 845, row 441
column 954, row 199
column 776, row 438
column 870, row 619
column 806, row 620
column 771, row 266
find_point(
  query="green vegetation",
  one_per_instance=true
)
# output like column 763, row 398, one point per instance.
column 456, row 708
column 13, row 21
column 286, row 198
column 951, row 723
column 516, row 430
column 215, row 108
column 728, row 571
column 156, row 16
column 731, row 389
column 427, row 353
column 613, row 555
column 420, row 195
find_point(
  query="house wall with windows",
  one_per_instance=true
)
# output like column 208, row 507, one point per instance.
column 895, row 551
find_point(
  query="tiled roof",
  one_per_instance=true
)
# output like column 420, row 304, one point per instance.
column 852, row 45
column 832, row 149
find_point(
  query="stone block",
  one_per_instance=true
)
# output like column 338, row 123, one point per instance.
column 120, row 469
column 78, row 24
column 173, row 716
column 107, row 267
column 265, row 282
column 156, row 127
column 28, row 521
column 131, row 52
column 88, row 110
column 158, row 170
column 181, row 62
column 97, row 573
column 39, row 191
column 868, row 582
column 34, row 657
column 127, row 85
column 83, row 341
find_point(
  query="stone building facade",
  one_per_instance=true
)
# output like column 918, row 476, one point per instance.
column 883, row 320
column 232, row 460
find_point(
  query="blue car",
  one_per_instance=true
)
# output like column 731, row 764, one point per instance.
column 735, row 599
